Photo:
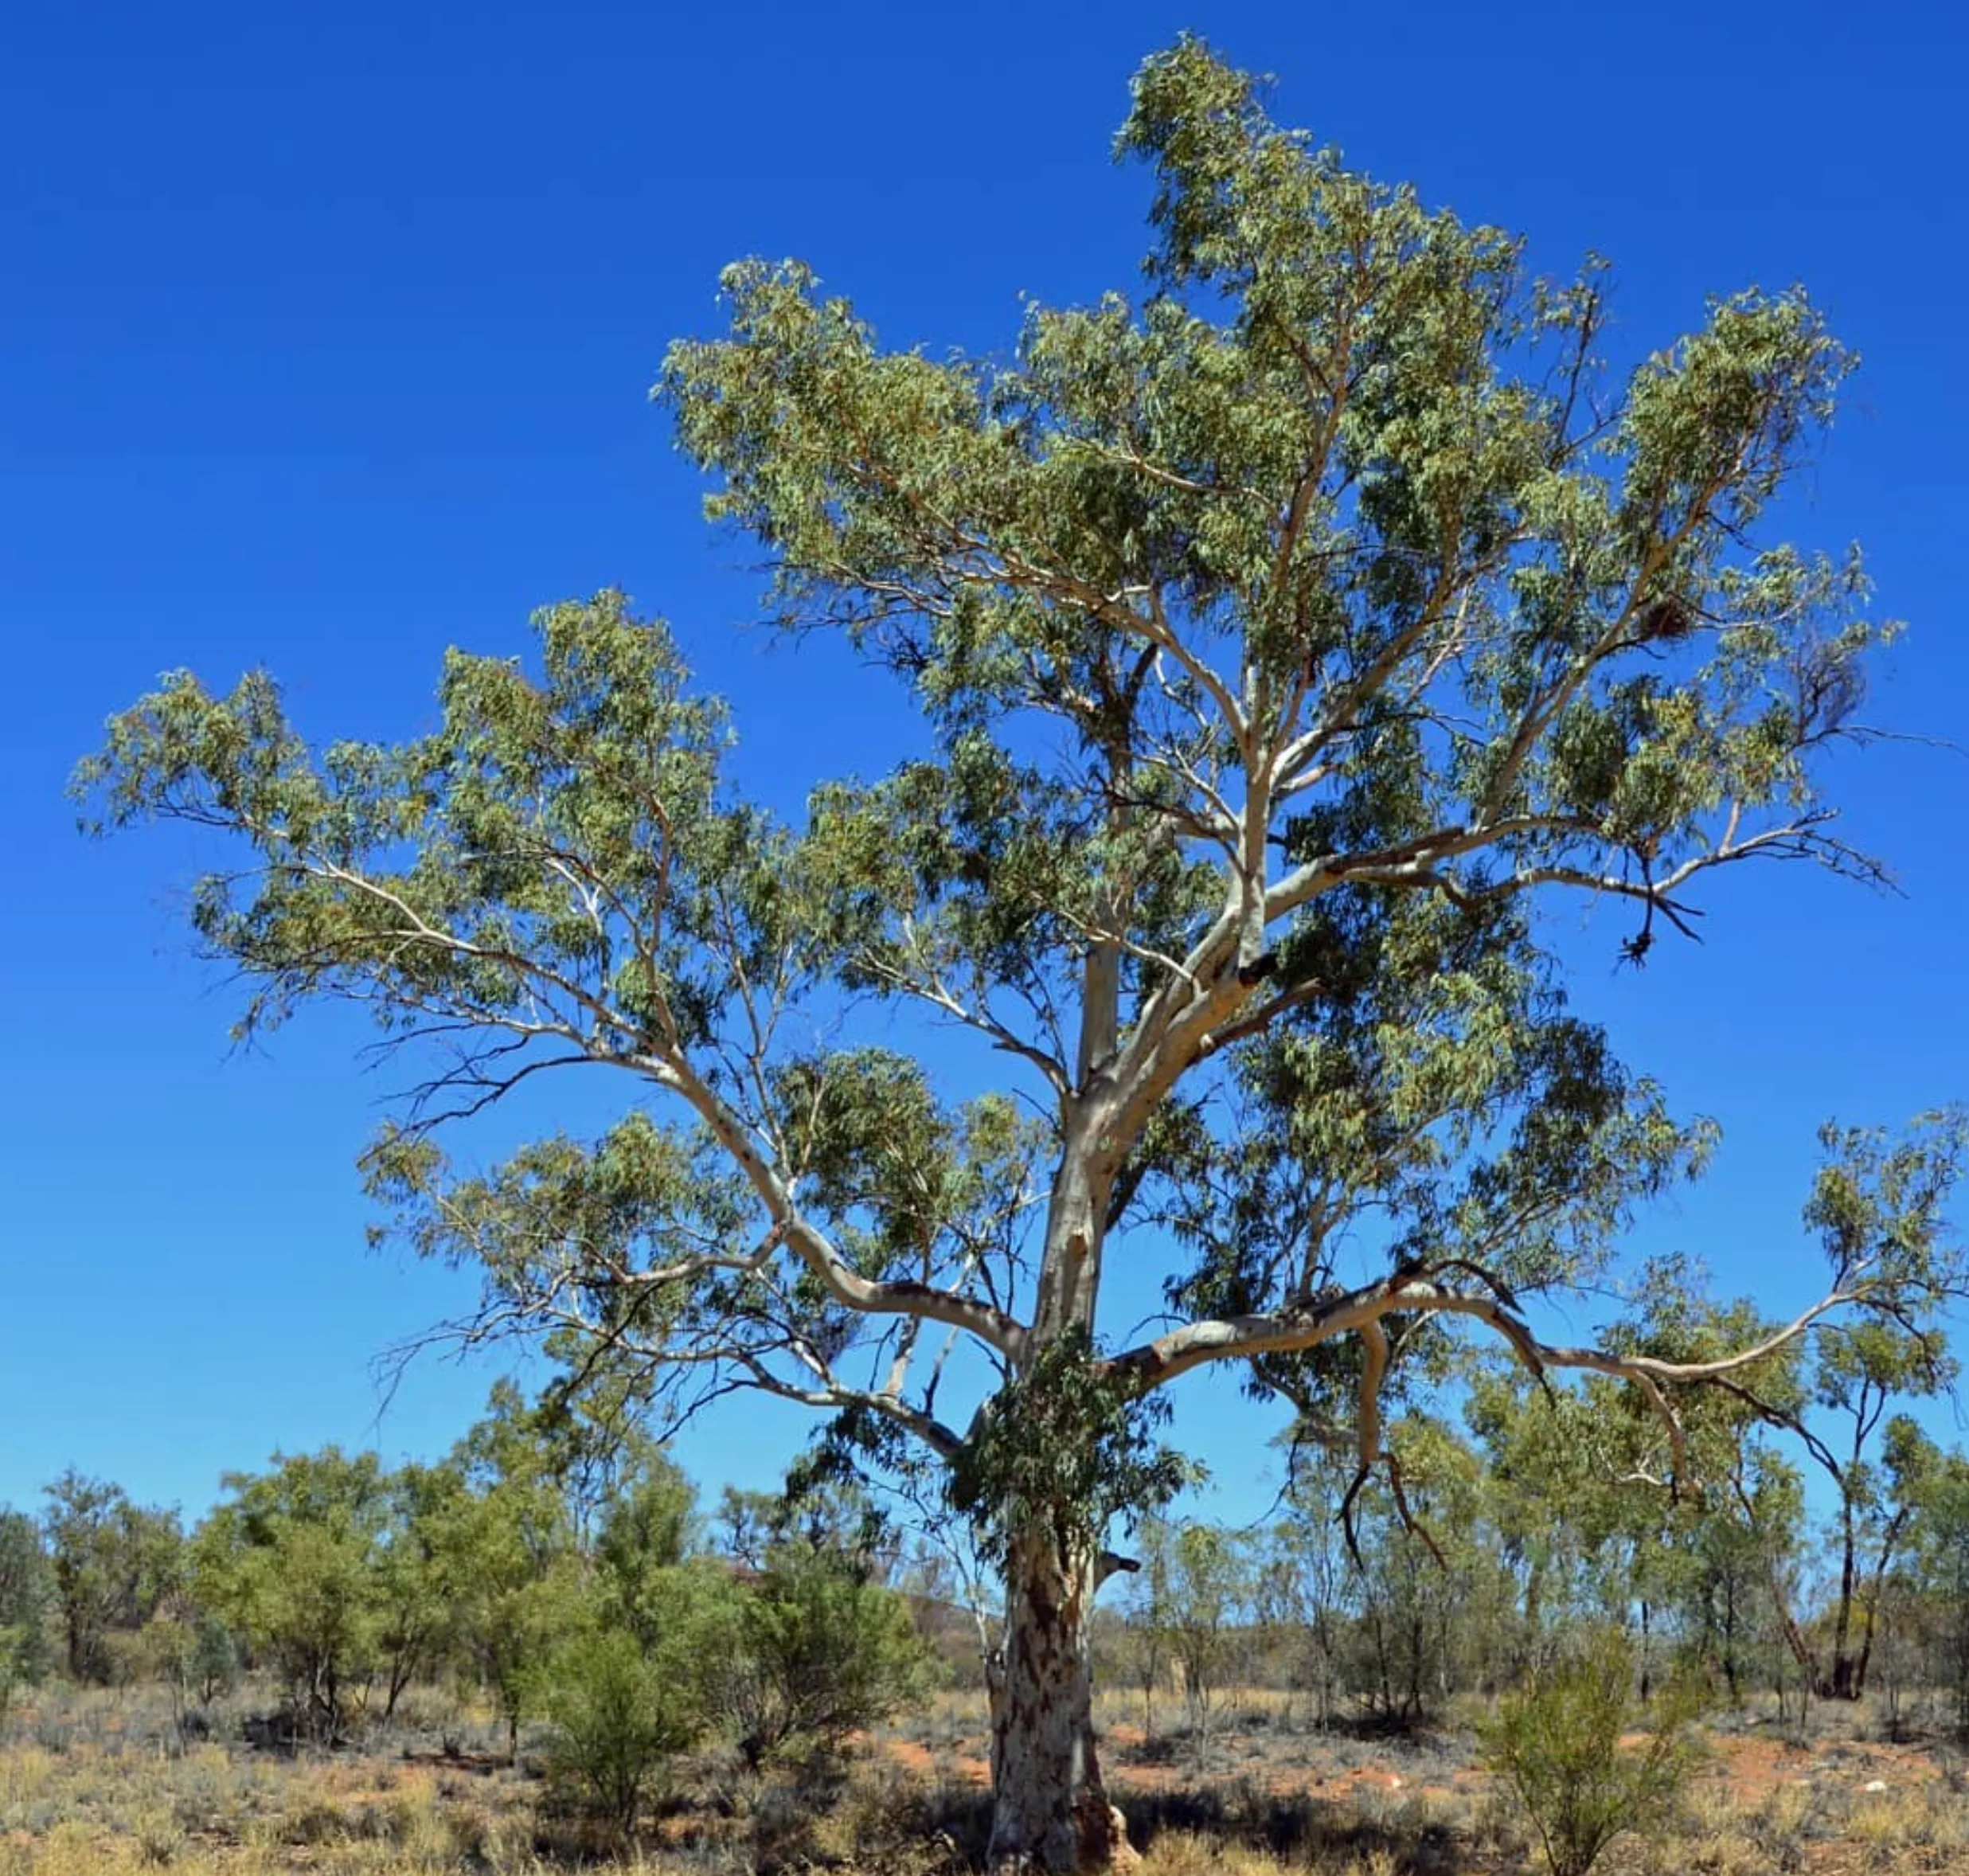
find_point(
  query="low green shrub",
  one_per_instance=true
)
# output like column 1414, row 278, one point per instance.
column 1557, row 1744
column 617, row 1714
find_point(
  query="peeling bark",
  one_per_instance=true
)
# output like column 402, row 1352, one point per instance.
column 1050, row 1810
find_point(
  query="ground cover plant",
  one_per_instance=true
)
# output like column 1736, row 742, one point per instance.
column 95, row 1781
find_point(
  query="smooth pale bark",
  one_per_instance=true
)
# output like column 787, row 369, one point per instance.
column 1049, row 1807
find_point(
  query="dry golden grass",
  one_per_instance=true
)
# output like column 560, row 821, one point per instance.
column 103, row 1785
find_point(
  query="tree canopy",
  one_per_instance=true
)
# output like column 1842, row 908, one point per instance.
column 1287, row 631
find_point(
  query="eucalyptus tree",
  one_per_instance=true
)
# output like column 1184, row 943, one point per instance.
column 1879, row 1464
column 1877, row 1497
column 1282, row 636
column 418, row 1611
column 1193, row 1605
column 1431, row 1593
column 1577, row 1490
column 1941, row 1555
column 506, row 1553
column 1300, row 1584
column 1878, row 1189
column 1832, row 1387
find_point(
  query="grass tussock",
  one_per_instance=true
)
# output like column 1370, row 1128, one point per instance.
column 103, row 1784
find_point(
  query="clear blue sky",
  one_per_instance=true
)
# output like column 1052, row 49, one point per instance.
column 324, row 343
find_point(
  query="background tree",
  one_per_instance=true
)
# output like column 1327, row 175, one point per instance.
column 1877, row 1468
column 744, row 1524
column 823, row 1511
column 812, row 1649
column 506, row 1558
column 1942, row 1549
column 642, row 1543
column 1148, row 1608
column 113, row 1564
column 618, row 1713
column 1199, row 1605
column 27, row 1602
column 195, row 1655
column 1886, row 1198
column 14, row 1668
column 1724, row 1557
column 416, row 1614
column 1748, row 1532
column 1283, row 637
column 292, row 1562
column 1298, row 1587
column 1428, row 1586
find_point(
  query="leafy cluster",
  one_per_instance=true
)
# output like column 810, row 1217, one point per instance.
column 1067, row 1449
column 1559, row 1742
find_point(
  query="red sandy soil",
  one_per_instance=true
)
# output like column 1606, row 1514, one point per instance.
column 1756, row 1766
column 1753, row 1767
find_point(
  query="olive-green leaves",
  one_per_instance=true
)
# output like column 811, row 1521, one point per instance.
column 1286, row 631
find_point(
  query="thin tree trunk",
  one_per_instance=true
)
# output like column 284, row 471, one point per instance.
column 1411, row 1704
column 402, row 1669
column 1729, row 1640
column 1839, row 1685
column 1795, row 1637
column 1875, row 1590
column 1049, row 1810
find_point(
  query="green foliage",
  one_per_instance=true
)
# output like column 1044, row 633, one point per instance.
column 1558, row 1744
column 348, row 1579
column 291, row 1561
column 1193, row 1596
column 1579, row 1487
column 204, row 1659
column 416, row 1615
column 618, row 1713
column 14, row 1664
column 1299, row 1571
column 1428, row 1592
column 1878, row 1201
column 503, row 1558
column 113, row 1564
column 1877, row 1205
column 1345, row 520
column 811, row 1650
column 27, row 1598
column 643, row 1542
column 1941, row 1547
column 1284, row 637
column 1066, row 1447
column 192, row 1653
